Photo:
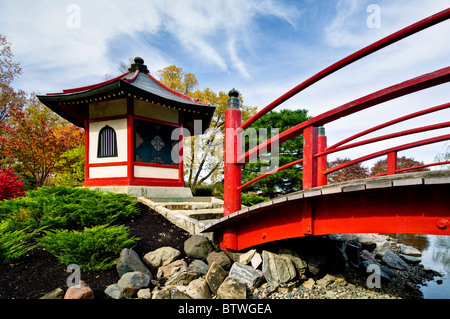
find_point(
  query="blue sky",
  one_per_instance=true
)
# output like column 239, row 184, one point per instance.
column 262, row 48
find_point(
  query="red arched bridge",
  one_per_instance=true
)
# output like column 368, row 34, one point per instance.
column 417, row 203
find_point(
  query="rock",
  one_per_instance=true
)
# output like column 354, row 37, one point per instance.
column 353, row 251
column 408, row 250
column 325, row 281
column 219, row 257
column 299, row 264
column 309, row 283
column 215, row 276
column 256, row 260
column 158, row 293
column 161, row 256
column 277, row 269
column 113, row 291
column 394, row 261
column 316, row 264
column 199, row 266
column 340, row 281
column 177, row 294
column 198, row 289
column 80, row 291
column 183, row 277
column 144, row 293
column 58, row 293
column 232, row 288
column 129, row 261
column 330, row 295
column 131, row 282
column 410, row 259
column 198, row 247
column 245, row 258
column 247, row 274
column 365, row 255
column 168, row 270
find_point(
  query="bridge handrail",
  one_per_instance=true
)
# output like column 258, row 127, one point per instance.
column 378, row 45
column 407, row 87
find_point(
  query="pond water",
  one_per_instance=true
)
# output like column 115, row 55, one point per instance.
column 435, row 255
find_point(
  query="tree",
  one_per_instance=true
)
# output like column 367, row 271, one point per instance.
column 9, row 70
column 380, row 167
column 444, row 156
column 203, row 154
column 285, row 181
column 356, row 171
column 34, row 144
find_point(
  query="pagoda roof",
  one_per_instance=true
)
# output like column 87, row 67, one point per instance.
column 73, row 104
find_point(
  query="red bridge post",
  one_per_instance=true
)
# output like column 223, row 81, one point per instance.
column 232, row 171
column 322, row 160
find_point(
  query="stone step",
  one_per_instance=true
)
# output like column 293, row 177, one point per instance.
column 203, row 214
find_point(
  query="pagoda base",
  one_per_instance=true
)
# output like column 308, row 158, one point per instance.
column 148, row 191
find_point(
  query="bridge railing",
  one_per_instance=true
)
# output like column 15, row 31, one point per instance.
column 315, row 148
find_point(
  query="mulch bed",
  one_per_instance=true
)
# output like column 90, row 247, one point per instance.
column 39, row 272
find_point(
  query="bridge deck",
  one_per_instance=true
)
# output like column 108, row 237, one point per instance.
column 404, row 203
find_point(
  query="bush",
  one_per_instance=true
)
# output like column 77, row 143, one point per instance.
column 10, row 186
column 13, row 243
column 66, row 207
column 94, row 249
column 202, row 191
column 250, row 199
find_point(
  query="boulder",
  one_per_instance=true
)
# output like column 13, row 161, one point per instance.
column 408, row 250
column 198, row 289
column 316, row 263
column 256, row 260
column 215, row 276
column 277, row 269
column 325, row 281
column 58, row 293
column 161, row 256
column 183, row 277
column 309, row 283
column 177, row 294
column 131, row 282
column 158, row 293
column 168, row 270
column 394, row 261
column 144, row 293
column 245, row 258
column 80, row 291
column 198, row 247
column 199, row 266
column 129, row 261
column 232, row 288
column 247, row 274
column 299, row 264
column 219, row 257
column 409, row 259
column 113, row 291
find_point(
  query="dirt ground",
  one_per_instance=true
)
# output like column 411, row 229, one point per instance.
column 39, row 272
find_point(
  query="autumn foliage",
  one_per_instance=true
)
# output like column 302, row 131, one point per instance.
column 10, row 185
column 36, row 145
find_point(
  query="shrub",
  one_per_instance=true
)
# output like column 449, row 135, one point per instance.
column 66, row 207
column 10, row 185
column 250, row 199
column 202, row 191
column 94, row 249
column 13, row 243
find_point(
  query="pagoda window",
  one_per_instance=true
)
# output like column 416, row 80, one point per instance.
column 107, row 142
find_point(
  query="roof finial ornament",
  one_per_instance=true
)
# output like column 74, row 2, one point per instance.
column 138, row 65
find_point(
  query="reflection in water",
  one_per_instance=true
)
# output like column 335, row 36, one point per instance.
column 435, row 255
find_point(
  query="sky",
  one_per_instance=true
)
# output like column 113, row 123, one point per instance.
column 262, row 48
